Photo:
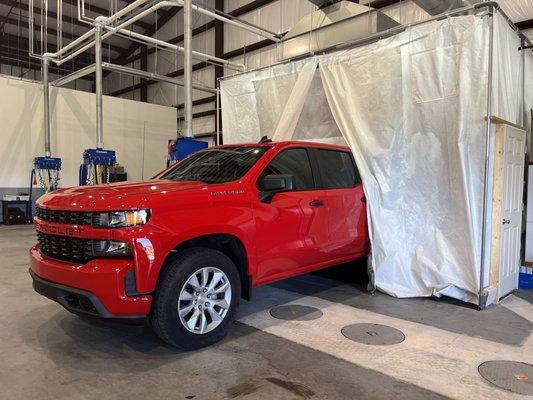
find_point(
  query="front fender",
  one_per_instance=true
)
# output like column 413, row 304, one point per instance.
column 164, row 238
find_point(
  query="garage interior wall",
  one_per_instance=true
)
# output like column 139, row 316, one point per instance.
column 137, row 131
column 429, row 87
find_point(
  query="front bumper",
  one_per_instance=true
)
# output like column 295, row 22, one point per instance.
column 96, row 288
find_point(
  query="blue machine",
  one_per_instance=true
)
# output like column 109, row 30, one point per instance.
column 52, row 163
column 182, row 147
column 95, row 167
column 99, row 157
column 46, row 169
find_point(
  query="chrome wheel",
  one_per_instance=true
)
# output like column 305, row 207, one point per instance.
column 204, row 300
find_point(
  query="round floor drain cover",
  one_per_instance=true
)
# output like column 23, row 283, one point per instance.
column 514, row 376
column 295, row 312
column 374, row 334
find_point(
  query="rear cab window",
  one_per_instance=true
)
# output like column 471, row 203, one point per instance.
column 337, row 169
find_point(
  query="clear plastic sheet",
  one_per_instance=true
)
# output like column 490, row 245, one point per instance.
column 517, row 10
column 507, row 72
column 419, row 142
column 413, row 110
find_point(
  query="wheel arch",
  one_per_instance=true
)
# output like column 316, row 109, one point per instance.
column 226, row 243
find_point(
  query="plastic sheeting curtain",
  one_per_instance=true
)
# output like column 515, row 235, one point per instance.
column 419, row 142
column 413, row 110
column 283, row 102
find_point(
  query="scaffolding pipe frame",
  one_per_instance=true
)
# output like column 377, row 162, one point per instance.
column 187, row 67
column 46, row 103
column 89, row 69
column 121, row 69
column 104, row 27
column 98, row 87
column 156, row 77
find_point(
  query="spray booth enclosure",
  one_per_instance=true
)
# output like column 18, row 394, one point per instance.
column 418, row 110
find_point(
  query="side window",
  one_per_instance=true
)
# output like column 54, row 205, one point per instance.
column 293, row 162
column 337, row 169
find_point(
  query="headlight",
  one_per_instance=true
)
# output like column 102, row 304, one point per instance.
column 120, row 219
column 110, row 248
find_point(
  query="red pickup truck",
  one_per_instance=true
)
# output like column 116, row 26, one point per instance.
column 182, row 248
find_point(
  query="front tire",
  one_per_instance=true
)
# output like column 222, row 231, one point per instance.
column 197, row 299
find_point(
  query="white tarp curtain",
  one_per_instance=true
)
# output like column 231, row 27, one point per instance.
column 412, row 108
column 507, row 72
column 528, row 89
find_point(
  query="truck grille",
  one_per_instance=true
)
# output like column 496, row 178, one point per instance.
column 65, row 217
column 66, row 248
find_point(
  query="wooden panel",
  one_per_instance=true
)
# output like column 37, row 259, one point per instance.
column 497, row 206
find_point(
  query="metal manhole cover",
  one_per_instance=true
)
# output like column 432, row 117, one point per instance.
column 374, row 334
column 295, row 312
column 514, row 376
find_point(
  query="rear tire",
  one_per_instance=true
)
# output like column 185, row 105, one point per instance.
column 196, row 299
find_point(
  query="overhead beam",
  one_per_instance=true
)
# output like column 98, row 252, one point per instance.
column 155, row 77
column 247, row 8
column 90, row 69
column 199, row 102
column 21, row 44
column 24, row 61
column 51, row 14
column 252, row 6
column 24, row 24
column 195, row 67
column 102, row 11
column 523, row 25
column 381, row 3
column 199, row 114
column 165, row 17
column 201, row 65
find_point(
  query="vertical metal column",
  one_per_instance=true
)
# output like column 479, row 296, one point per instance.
column 46, row 102
column 217, row 121
column 98, row 87
column 487, row 197
column 187, row 34
column 219, row 69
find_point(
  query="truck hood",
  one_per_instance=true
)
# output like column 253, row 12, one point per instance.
column 114, row 196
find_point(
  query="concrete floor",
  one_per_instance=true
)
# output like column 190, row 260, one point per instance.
column 48, row 353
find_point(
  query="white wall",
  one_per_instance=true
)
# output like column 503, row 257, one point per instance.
column 137, row 131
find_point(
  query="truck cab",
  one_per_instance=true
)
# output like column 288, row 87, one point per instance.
column 183, row 248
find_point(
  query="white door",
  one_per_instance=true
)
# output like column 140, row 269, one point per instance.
column 513, row 185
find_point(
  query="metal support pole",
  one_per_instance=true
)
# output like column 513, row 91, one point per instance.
column 217, row 122
column 98, row 87
column 487, row 198
column 46, row 102
column 187, row 44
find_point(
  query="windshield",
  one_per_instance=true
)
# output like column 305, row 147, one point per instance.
column 219, row 165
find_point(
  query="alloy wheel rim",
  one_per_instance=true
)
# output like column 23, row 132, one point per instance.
column 204, row 300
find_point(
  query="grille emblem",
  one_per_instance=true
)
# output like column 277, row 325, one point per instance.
column 59, row 230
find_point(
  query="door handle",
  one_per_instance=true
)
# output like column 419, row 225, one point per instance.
column 316, row 203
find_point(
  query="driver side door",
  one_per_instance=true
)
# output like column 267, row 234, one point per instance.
column 291, row 230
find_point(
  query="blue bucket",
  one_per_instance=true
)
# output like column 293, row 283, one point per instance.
column 525, row 278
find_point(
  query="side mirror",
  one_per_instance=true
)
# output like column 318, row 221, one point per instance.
column 273, row 184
